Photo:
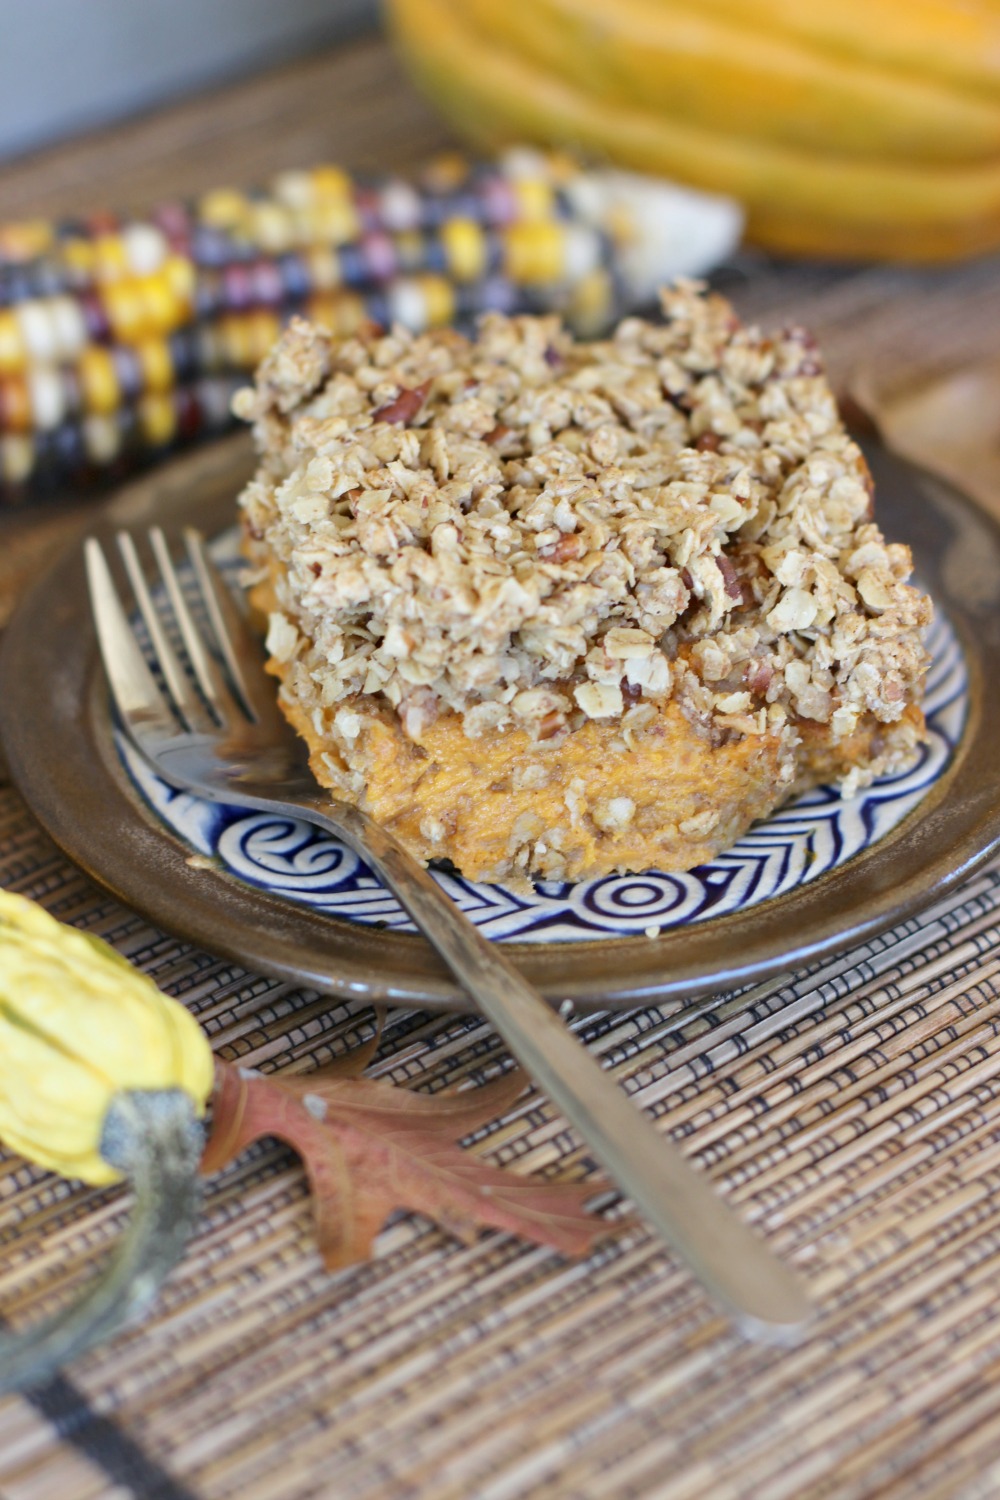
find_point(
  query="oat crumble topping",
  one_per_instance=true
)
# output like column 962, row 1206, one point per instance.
column 531, row 531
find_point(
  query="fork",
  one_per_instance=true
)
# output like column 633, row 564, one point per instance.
column 217, row 731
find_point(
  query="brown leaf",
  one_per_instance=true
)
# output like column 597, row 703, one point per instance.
column 370, row 1148
column 353, row 1064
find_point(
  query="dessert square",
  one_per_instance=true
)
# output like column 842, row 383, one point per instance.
column 551, row 609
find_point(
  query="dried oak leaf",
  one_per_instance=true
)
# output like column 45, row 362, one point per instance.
column 370, row 1148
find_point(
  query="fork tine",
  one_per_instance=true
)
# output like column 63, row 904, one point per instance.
column 240, row 649
column 179, row 686
column 206, row 670
column 139, row 701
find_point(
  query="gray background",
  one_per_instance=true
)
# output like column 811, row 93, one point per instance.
column 67, row 65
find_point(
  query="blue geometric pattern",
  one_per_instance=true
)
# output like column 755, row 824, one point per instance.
column 802, row 841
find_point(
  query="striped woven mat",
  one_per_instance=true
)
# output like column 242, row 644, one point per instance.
column 852, row 1114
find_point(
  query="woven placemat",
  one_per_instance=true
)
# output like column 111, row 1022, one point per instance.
column 852, row 1114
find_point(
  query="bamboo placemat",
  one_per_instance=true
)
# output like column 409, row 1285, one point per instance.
column 853, row 1114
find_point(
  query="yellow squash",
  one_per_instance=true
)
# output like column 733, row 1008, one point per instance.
column 955, row 40
column 872, row 132
column 688, row 64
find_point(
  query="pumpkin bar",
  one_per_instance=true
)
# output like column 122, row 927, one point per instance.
column 551, row 609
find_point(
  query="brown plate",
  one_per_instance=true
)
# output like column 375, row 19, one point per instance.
column 57, row 733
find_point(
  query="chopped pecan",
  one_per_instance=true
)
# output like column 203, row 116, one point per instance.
column 405, row 406
column 734, row 584
column 757, row 676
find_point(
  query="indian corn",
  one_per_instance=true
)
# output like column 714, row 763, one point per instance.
column 122, row 339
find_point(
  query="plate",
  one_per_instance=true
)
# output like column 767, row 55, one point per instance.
column 800, row 842
column 275, row 896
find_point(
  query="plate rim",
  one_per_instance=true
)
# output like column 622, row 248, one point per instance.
column 62, row 760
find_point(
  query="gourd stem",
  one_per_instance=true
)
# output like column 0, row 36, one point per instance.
column 154, row 1139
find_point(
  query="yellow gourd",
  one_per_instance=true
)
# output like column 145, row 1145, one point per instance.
column 101, row 1077
column 78, row 1026
column 862, row 130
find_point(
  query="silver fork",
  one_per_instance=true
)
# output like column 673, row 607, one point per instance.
column 227, row 740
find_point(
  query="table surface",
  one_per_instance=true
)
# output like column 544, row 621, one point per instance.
column 853, row 1116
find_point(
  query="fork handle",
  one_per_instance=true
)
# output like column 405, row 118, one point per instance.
column 765, row 1298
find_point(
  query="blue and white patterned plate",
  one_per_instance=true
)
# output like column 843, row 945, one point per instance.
column 802, row 841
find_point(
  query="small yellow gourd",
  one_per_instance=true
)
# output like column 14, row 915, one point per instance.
column 101, row 1077
column 78, row 1025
